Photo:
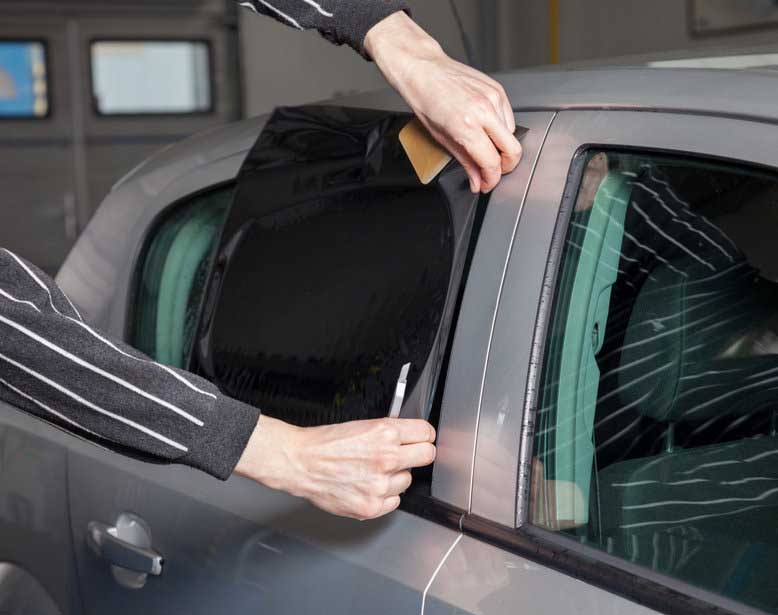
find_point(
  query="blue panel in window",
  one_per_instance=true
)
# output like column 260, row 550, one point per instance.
column 23, row 87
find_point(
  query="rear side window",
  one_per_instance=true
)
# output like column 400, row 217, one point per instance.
column 24, row 90
column 336, row 268
column 324, row 302
column 151, row 77
column 171, row 277
column 657, row 432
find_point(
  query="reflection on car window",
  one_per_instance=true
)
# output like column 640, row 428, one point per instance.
column 146, row 77
column 657, row 431
column 23, row 80
column 171, row 277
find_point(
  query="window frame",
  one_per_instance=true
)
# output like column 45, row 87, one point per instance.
column 500, row 518
column 213, row 93
column 49, row 81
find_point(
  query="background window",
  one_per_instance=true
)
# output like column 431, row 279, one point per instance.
column 23, row 80
column 171, row 277
column 657, row 430
column 136, row 77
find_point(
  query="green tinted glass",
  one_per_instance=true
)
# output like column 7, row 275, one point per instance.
column 657, row 426
column 172, row 275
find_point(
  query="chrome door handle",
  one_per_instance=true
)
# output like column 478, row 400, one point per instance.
column 127, row 547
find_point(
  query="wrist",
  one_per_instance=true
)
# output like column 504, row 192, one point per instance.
column 397, row 40
column 269, row 457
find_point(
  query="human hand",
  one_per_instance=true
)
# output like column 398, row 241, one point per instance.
column 466, row 111
column 356, row 469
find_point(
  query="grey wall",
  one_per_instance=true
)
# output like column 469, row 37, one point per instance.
column 601, row 28
column 604, row 28
column 284, row 66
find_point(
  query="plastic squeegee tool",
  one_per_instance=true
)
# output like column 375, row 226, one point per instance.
column 427, row 156
column 399, row 392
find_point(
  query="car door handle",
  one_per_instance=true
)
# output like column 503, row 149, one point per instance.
column 115, row 544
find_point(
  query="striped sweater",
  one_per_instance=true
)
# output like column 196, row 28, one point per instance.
column 339, row 21
column 58, row 368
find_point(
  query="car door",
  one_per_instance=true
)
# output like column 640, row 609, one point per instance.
column 239, row 547
column 37, row 573
column 625, row 455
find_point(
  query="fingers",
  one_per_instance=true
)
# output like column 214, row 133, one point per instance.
column 489, row 142
column 389, row 505
column 385, row 502
column 507, row 144
column 416, row 455
column 412, row 431
column 485, row 155
column 399, row 483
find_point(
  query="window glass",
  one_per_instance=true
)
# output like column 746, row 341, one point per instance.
column 136, row 77
column 657, row 432
column 171, row 276
column 23, row 80
column 324, row 301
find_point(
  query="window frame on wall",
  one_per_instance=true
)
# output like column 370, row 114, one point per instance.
column 48, row 77
column 210, row 74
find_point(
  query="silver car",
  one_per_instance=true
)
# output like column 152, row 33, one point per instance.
column 596, row 341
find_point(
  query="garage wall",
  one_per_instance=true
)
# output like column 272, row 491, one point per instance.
column 604, row 28
column 284, row 66
column 622, row 27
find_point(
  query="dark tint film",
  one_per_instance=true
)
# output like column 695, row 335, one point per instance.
column 334, row 272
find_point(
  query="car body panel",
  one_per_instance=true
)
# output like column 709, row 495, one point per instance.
column 478, row 578
column 34, row 519
column 237, row 547
column 459, row 420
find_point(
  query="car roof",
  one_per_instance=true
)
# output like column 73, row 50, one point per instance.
column 746, row 94
column 749, row 94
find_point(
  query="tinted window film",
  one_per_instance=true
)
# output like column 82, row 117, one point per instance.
column 24, row 91
column 171, row 277
column 656, row 436
column 148, row 77
column 335, row 270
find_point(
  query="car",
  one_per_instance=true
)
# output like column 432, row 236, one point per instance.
column 595, row 341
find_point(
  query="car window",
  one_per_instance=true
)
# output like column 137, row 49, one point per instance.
column 150, row 77
column 171, row 274
column 24, row 91
column 336, row 268
column 657, row 425
column 324, row 303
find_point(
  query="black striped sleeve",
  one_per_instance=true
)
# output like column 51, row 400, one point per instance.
column 62, row 370
column 339, row 21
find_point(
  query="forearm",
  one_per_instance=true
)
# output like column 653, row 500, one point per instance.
column 339, row 21
column 58, row 368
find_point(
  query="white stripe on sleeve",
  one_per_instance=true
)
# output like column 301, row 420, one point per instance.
column 278, row 12
column 93, row 368
column 92, row 406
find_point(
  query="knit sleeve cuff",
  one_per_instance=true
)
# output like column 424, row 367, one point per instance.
column 223, row 441
column 360, row 17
